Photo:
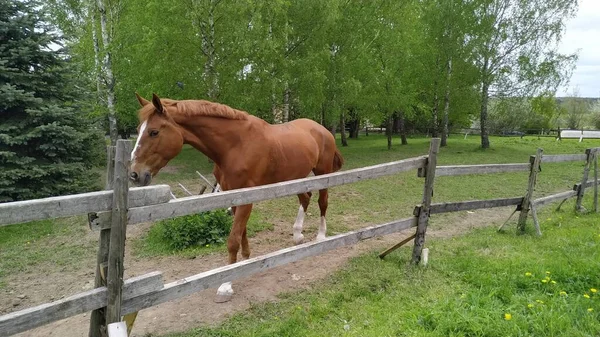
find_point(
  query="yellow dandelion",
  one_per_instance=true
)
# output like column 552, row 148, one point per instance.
column 530, row 305
column 590, row 309
column 528, row 274
column 547, row 273
column 586, row 295
column 553, row 282
column 563, row 293
column 507, row 316
column 540, row 301
column 594, row 290
column 545, row 281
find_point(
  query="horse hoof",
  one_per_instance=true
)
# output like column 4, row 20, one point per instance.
column 224, row 293
column 320, row 237
column 299, row 239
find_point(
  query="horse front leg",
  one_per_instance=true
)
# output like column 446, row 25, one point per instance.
column 236, row 239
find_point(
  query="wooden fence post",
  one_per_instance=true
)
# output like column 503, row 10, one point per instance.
column 596, row 182
column 97, row 318
column 114, row 281
column 535, row 162
column 586, row 170
column 423, row 213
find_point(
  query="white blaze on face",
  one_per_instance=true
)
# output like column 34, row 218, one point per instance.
column 137, row 141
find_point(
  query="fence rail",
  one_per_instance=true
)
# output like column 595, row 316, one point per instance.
column 456, row 170
column 215, row 277
column 77, row 204
column 33, row 317
column 206, row 202
column 155, row 203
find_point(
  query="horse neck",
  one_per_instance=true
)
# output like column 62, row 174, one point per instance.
column 216, row 137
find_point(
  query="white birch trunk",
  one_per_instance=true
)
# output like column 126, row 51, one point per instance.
column 109, row 79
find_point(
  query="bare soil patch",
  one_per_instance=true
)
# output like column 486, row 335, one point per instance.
column 199, row 309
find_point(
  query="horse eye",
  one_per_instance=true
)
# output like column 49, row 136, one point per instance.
column 153, row 133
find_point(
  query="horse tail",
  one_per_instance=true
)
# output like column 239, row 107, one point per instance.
column 338, row 160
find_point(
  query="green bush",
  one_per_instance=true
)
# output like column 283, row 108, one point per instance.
column 197, row 230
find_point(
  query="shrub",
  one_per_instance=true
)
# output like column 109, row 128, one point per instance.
column 197, row 229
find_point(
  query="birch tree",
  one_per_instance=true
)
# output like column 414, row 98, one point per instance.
column 516, row 49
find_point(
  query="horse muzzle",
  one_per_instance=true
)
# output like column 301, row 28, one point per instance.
column 142, row 179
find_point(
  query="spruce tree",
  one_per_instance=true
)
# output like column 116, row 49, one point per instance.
column 47, row 147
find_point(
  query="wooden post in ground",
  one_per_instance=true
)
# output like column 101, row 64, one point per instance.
column 423, row 216
column 596, row 182
column 97, row 318
column 114, row 280
column 586, row 170
column 535, row 162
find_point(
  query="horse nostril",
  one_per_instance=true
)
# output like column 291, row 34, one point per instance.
column 133, row 176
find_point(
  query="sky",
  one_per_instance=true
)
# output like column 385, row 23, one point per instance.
column 583, row 34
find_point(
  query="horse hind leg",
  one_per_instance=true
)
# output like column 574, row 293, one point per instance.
column 304, row 199
column 324, row 167
column 323, row 203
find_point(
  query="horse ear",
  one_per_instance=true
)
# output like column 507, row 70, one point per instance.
column 157, row 104
column 141, row 99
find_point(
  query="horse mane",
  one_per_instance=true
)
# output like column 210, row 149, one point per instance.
column 192, row 108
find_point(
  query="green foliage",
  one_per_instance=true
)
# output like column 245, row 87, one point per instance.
column 201, row 229
column 47, row 147
column 322, row 59
column 483, row 283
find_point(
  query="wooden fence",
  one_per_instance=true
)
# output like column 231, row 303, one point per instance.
column 115, row 301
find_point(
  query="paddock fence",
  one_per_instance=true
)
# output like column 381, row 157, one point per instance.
column 115, row 302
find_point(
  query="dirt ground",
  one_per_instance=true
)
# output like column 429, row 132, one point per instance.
column 199, row 309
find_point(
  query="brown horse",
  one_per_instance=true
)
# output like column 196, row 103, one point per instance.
column 247, row 152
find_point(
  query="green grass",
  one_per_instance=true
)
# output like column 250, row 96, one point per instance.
column 40, row 244
column 469, row 285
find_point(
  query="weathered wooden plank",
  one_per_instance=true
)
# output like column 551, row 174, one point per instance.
column 97, row 317
column 76, row 204
column 424, row 211
column 37, row 316
column 536, row 222
column 596, row 182
column 580, row 192
column 231, row 272
column 447, row 207
column 560, row 158
column 534, row 170
column 396, row 246
column 455, row 170
column 206, row 202
column 116, row 252
column 589, row 183
column 551, row 198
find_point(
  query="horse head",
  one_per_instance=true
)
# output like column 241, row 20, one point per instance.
column 159, row 140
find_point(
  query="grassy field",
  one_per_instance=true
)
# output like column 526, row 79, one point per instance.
column 480, row 284
column 23, row 248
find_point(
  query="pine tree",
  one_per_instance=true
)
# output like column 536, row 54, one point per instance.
column 47, row 147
